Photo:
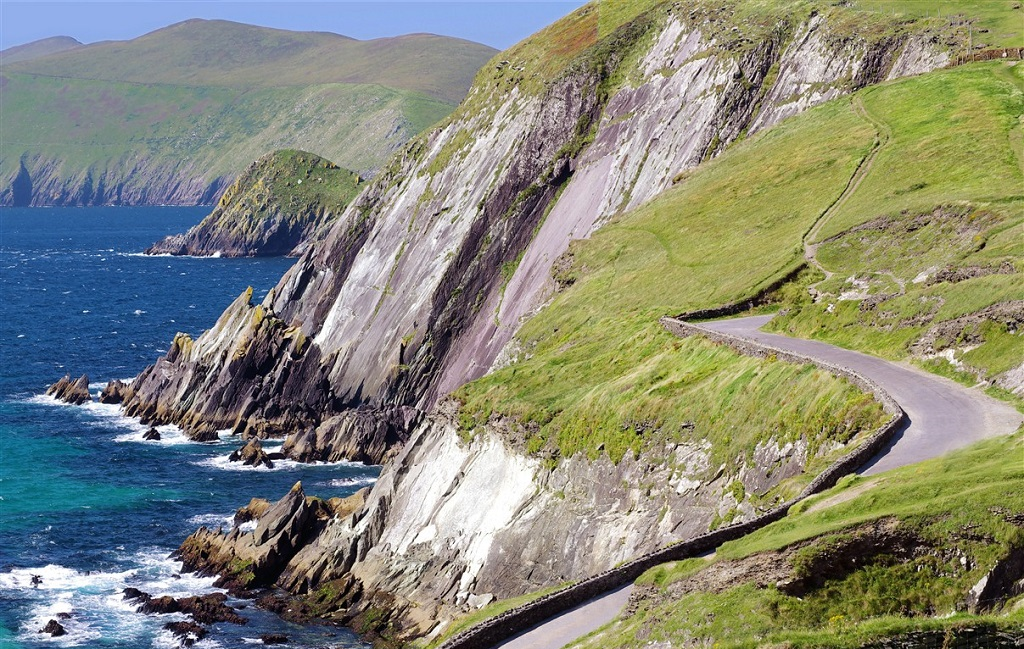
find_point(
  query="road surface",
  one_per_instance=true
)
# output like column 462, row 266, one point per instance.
column 941, row 416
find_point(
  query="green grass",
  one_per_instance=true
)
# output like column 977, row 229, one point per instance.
column 996, row 23
column 956, row 505
column 602, row 371
column 946, row 192
column 221, row 53
column 106, row 126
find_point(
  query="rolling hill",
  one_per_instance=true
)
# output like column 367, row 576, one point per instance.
column 173, row 116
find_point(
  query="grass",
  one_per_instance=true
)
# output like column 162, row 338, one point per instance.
column 944, row 194
column 219, row 53
column 100, row 126
column 288, row 183
column 601, row 370
column 958, row 506
column 996, row 23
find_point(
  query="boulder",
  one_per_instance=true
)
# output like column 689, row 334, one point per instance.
column 54, row 628
column 114, row 392
column 257, row 507
column 252, row 454
column 74, row 392
column 273, row 638
column 152, row 434
column 188, row 633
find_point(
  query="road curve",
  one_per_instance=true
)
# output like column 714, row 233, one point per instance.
column 941, row 416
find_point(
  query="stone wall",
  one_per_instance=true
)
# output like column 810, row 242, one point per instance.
column 506, row 625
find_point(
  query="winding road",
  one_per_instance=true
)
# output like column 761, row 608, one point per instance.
column 941, row 416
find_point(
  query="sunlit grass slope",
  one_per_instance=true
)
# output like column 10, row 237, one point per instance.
column 947, row 522
column 595, row 359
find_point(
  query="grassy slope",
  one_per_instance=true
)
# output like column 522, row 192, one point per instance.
column 957, row 504
column 292, row 183
column 220, row 94
column 223, row 53
column 599, row 360
column 36, row 49
column 97, row 123
column 956, row 146
column 996, row 23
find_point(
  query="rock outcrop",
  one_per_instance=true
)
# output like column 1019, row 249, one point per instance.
column 113, row 392
column 74, row 392
column 425, row 277
column 54, row 628
column 252, row 454
column 274, row 208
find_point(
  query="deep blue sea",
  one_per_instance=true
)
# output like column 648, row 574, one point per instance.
column 85, row 503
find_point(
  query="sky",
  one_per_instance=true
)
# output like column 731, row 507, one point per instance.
column 498, row 23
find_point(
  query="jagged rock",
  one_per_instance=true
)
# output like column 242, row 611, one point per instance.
column 252, row 454
column 210, row 609
column 74, row 392
column 152, row 434
column 256, row 558
column 188, row 633
column 1003, row 581
column 134, row 594
column 114, row 392
column 54, row 628
column 257, row 507
column 273, row 638
column 161, row 605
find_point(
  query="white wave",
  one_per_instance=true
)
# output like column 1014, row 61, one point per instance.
column 355, row 481
column 213, row 520
column 222, row 462
column 138, row 312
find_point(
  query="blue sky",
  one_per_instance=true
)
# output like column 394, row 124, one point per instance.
column 498, row 23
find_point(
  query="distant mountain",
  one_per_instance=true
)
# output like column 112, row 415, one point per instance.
column 39, row 48
column 172, row 117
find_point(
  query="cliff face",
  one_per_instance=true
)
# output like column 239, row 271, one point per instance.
column 426, row 277
column 273, row 209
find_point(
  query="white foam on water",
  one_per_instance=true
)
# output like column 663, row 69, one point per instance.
column 95, row 600
column 248, row 526
column 213, row 521
column 222, row 462
column 354, row 481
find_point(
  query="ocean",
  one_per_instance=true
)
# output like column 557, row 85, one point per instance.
column 85, row 503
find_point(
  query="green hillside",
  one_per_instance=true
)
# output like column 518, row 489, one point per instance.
column 224, row 53
column 915, row 539
column 175, row 115
column 36, row 49
column 939, row 188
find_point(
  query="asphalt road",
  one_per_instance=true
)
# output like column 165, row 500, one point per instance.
column 942, row 416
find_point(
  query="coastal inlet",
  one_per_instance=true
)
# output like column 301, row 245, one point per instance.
column 88, row 506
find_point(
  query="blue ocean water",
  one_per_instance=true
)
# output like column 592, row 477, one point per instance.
column 85, row 503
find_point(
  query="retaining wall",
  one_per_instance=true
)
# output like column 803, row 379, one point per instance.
column 502, row 627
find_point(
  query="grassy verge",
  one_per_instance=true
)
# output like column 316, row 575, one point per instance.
column 933, row 240
column 601, row 371
column 959, row 514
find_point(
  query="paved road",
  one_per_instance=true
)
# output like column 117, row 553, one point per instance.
column 574, row 623
column 942, row 416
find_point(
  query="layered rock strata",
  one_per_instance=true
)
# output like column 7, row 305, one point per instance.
column 426, row 277
column 74, row 392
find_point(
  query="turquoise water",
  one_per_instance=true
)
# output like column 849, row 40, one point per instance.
column 85, row 503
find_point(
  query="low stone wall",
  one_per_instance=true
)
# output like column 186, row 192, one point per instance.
column 1009, row 53
column 970, row 637
column 502, row 627
column 744, row 304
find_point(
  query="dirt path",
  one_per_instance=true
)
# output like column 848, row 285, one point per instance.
column 882, row 137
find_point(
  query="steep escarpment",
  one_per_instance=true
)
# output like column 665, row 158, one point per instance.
column 273, row 209
column 425, row 278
